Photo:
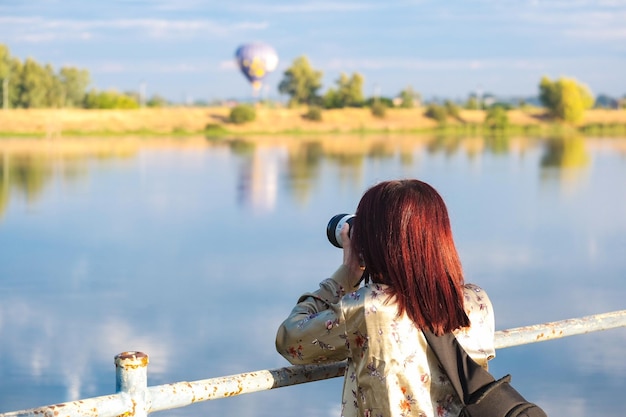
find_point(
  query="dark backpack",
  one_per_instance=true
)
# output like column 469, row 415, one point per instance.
column 481, row 394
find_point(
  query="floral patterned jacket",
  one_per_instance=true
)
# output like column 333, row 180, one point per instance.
column 391, row 371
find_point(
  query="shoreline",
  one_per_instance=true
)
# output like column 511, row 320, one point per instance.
column 213, row 121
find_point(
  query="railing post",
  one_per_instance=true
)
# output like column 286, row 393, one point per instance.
column 131, row 378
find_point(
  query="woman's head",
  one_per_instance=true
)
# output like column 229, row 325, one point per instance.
column 403, row 233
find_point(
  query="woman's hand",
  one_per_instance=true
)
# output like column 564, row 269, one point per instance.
column 350, row 259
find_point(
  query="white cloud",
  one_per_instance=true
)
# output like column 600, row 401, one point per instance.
column 228, row 64
column 309, row 7
column 435, row 64
column 175, row 5
column 39, row 30
column 113, row 67
column 47, row 354
column 599, row 34
column 577, row 22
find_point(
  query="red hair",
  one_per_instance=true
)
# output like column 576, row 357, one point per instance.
column 403, row 233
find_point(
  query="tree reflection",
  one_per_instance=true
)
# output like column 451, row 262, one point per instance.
column 564, row 159
column 4, row 183
column 381, row 150
column 242, row 147
column 497, row 144
column 266, row 161
column 27, row 174
column 565, row 152
column 303, row 167
column 27, row 168
column 448, row 145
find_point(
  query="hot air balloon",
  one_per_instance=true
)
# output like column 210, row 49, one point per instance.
column 256, row 60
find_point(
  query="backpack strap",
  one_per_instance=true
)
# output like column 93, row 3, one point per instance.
column 467, row 377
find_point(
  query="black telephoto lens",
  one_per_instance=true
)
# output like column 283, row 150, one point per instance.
column 333, row 229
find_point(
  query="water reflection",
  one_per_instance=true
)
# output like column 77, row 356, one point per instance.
column 25, row 173
column 28, row 169
column 258, row 179
column 303, row 167
column 565, row 159
column 156, row 250
column 565, row 153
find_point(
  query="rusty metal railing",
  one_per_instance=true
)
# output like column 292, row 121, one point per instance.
column 133, row 397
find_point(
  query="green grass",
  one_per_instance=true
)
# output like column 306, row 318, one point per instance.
column 218, row 130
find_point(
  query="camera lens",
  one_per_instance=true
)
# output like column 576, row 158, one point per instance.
column 333, row 229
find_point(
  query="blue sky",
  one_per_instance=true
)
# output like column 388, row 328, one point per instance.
column 184, row 49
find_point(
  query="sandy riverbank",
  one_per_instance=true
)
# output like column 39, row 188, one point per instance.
column 189, row 120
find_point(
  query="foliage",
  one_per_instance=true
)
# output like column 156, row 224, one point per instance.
column 548, row 94
column 505, row 106
column 565, row 98
column 385, row 100
column 75, row 83
column 331, row 99
column 31, row 85
column 349, row 92
column 214, row 129
column 7, row 67
column 379, row 109
column 452, row 109
column 242, row 113
column 472, row 103
column 158, row 101
column 437, row 112
column 109, row 100
column 408, row 98
column 5, row 61
column 497, row 118
column 314, row 114
column 301, row 82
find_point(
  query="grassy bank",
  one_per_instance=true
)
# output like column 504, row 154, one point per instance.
column 181, row 121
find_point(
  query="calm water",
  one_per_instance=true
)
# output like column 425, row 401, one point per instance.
column 194, row 251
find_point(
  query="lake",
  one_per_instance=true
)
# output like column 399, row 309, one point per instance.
column 194, row 250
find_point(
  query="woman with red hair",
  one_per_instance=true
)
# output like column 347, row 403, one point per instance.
column 402, row 244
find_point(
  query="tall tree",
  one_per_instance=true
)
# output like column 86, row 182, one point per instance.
column 14, row 89
column 301, row 82
column 5, row 61
column 10, row 69
column 409, row 98
column 32, row 85
column 472, row 103
column 54, row 90
column 75, row 83
column 5, row 71
column 349, row 92
column 565, row 98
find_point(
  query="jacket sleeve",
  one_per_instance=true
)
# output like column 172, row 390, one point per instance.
column 315, row 331
column 479, row 339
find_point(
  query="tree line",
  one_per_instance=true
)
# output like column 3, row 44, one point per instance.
column 566, row 99
column 28, row 84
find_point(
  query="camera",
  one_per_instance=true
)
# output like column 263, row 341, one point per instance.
column 333, row 229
